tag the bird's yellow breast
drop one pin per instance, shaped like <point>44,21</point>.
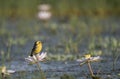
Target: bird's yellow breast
<point>38,48</point>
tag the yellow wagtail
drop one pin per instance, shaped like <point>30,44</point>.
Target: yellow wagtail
<point>36,48</point>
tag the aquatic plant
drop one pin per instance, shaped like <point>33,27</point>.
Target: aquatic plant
<point>87,60</point>
<point>114,49</point>
<point>35,59</point>
<point>4,72</point>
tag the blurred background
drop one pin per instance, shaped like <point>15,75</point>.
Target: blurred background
<point>68,29</point>
<point>71,27</point>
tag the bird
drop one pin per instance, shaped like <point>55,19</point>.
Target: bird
<point>37,48</point>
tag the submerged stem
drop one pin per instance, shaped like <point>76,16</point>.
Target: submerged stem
<point>90,68</point>
<point>3,75</point>
<point>39,68</point>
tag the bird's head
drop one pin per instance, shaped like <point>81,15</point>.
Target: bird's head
<point>38,42</point>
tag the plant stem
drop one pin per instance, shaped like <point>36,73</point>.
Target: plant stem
<point>8,50</point>
<point>3,75</point>
<point>41,72</point>
<point>90,68</point>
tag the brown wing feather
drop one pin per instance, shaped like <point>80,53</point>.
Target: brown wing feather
<point>33,49</point>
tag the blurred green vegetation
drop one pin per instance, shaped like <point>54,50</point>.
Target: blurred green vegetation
<point>77,27</point>
<point>66,76</point>
<point>29,8</point>
<point>80,32</point>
